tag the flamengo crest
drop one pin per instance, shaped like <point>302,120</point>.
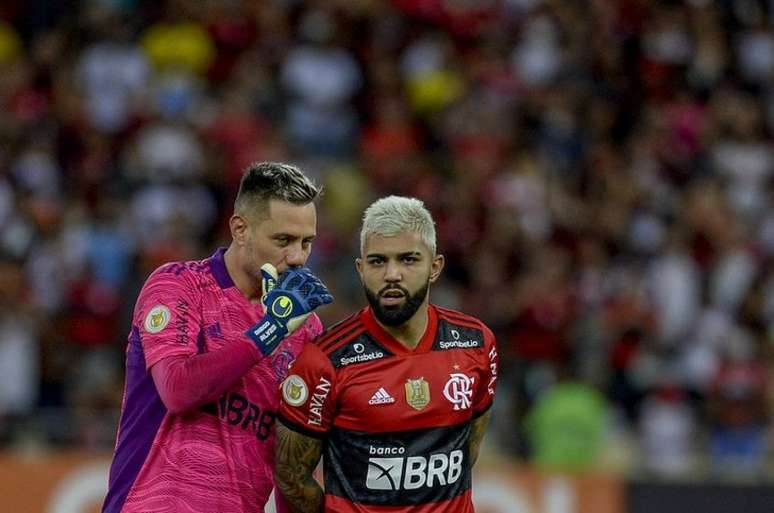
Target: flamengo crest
<point>458,390</point>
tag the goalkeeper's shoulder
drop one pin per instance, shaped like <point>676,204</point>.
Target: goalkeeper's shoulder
<point>175,276</point>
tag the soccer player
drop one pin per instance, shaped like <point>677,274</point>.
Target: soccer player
<point>397,396</point>
<point>210,343</point>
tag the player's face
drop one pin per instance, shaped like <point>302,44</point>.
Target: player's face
<point>396,273</point>
<point>284,239</point>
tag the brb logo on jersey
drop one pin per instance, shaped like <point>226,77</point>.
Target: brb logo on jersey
<point>459,390</point>
<point>412,472</point>
<point>282,307</point>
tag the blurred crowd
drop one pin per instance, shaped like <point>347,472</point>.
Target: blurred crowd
<point>600,172</point>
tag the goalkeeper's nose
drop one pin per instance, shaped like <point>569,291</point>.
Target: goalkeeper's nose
<point>295,255</point>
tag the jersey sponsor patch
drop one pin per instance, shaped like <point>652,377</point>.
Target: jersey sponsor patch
<point>413,472</point>
<point>398,468</point>
<point>492,370</point>
<point>294,390</point>
<point>381,397</point>
<point>457,337</point>
<point>360,350</point>
<point>157,319</point>
<point>319,396</point>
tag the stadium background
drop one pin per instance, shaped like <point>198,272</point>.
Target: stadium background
<point>601,174</point>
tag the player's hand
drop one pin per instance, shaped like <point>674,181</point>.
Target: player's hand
<point>288,300</point>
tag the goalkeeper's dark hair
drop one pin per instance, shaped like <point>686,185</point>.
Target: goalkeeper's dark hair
<point>264,181</point>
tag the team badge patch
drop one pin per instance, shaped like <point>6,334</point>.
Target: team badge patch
<point>294,390</point>
<point>157,319</point>
<point>417,393</point>
<point>459,390</point>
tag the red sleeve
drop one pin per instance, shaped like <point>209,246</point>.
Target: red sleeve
<point>308,396</point>
<point>488,384</point>
<point>187,382</point>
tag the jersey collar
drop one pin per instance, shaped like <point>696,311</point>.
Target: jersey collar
<point>218,269</point>
<point>394,345</point>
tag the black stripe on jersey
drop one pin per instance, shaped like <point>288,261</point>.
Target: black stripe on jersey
<point>341,324</point>
<point>332,343</point>
<point>460,322</point>
<point>456,336</point>
<point>361,349</point>
<point>298,429</point>
<point>457,316</point>
<point>405,468</point>
<point>335,332</point>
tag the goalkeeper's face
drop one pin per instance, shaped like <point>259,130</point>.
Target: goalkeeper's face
<point>396,273</point>
<point>284,239</point>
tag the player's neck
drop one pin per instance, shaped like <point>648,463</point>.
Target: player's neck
<point>410,333</point>
<point>243,282</point>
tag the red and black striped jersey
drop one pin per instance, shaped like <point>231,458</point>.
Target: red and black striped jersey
<point>395,421</point>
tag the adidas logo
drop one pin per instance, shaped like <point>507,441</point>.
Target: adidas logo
<point>381,397</point>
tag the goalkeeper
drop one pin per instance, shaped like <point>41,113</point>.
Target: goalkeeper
<point>210,343</point>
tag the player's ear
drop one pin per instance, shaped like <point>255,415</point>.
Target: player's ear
<point>359,267</point>
<point>436,266</point>
<point>238,226</point>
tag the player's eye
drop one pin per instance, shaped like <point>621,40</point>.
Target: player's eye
<point>375,261</point>
<point>282,241</point>
<point>410,260</point>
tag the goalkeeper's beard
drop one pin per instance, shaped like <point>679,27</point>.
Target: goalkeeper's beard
<point>395,315</point>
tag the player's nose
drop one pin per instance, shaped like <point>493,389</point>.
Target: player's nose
<point>392,272</point>
<point>295,256</point>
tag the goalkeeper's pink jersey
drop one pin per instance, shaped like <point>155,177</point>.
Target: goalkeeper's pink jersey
<point>218,457</point>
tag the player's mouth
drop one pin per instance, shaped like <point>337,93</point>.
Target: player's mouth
<point>392,297</point>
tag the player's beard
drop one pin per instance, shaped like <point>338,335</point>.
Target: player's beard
<point>395,315</point>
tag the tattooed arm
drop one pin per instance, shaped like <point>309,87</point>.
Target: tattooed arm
<point>296,457</point>
<point>477,431</point>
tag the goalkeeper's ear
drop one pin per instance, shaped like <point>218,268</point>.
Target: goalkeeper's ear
<point>269,277</point>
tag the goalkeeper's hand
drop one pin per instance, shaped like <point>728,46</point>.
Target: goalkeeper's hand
<point>288,300</point>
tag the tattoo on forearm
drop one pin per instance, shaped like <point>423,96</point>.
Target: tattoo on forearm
<point>477,431</point>
<point>296,457</point>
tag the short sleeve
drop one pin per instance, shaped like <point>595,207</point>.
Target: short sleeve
<point>489,366</point>
<point>167,316</point>
<point>308,394</point>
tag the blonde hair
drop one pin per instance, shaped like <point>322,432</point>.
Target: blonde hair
<point>392,215</point>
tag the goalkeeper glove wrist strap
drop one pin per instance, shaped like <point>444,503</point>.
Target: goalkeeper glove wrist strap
<point>267,334</point>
